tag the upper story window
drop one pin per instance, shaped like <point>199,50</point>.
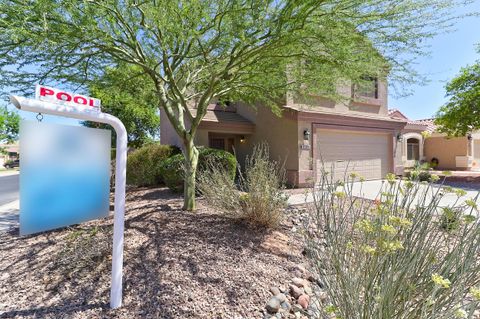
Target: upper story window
<point>367,88</point>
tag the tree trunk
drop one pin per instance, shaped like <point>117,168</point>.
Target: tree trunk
<point>191,161</point>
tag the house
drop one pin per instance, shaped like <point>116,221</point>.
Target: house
<point>8,152</point>
<point>410,141</point>
<point>420,141</point>
<point>354,135</point>
<point>452,153</point>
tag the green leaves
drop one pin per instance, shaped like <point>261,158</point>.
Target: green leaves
<point>461,114</point>
<point>9,125</point>
<point>127,93</point>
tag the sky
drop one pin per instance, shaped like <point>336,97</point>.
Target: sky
<point>449,53</point>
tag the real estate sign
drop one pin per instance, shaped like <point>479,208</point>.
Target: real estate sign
<point>65,175</point>
<point>65,171</point>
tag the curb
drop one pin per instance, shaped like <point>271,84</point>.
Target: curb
<point>9,173</point>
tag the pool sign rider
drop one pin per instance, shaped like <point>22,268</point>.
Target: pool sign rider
<point>58,102</point>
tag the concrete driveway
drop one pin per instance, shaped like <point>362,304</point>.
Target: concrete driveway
<point>372,190</point>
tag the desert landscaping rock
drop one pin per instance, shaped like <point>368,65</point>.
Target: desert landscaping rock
<point>299,282</point>
<point>286,306</point>
<point>303,301</point>
<point>301,269</point>
<point>177,264</point>
<point>273,305</point>
<point>281,297</point>
<point>296,291</point>
<point>322,295</point>
<point>308,290</point>
<point>274,290</point>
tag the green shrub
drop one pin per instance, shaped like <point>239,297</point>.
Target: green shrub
<point>143,165</point>
<point>450,219</point>
<point>172,169</point>
<point>389,258</point>
<point>259,197</point>
<point>420,172</point>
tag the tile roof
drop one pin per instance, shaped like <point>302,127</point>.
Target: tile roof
<point>428,123</point>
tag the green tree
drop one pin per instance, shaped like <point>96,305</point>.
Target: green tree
<point>128,94</point>
<point>9,125</point>
<point>461,114</point>
<point>194,51</point>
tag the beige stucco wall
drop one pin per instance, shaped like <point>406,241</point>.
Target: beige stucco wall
<point>359,105</point>
<point>280,132</point>
<point>168,135</point>
<point>445,150</point>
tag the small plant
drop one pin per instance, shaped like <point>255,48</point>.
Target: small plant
<point>420,172</point>
<point>450,219</point>
<point>258,197</point>
<point>84,248</point>
<point>389,258</point>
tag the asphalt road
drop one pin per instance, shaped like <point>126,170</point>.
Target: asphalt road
<point>9,188</point>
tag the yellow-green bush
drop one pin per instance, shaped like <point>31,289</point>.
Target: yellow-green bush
<point>143,165</point>
<point>400,256</point>
<point>258,196</point>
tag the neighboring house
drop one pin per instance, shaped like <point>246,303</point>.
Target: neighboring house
<point>8,152</point>
<point>410,142</point>
<point>451,153</point>
<point>357,135</point>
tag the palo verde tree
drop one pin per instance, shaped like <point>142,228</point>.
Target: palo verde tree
<point>195,51</point>
<point>461,114</point>
<point>127,93</point>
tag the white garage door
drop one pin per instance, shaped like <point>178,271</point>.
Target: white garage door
<point>343,152</point>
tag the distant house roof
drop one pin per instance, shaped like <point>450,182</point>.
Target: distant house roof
<point>427,124</point>
<point>396,114</point>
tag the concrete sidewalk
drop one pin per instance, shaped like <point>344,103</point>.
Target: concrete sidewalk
<point>372,190</point>
<point>9,215</point>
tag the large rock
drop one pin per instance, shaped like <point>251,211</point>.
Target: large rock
<point>303,301</point>
<point>273,305</point>
<point>299,282</point>
<point>274,290</point>
<point>281,297</point>
<point>295,291</point>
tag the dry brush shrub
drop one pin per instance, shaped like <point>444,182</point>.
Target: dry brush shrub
<point>394,257</point>
<point>258,195</point>
<point>84,249</point>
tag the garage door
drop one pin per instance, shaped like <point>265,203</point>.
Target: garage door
<point>343,152</point>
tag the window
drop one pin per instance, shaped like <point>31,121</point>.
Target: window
<point>218,143</point>
<point>413,149</point>
<point>367,88</point>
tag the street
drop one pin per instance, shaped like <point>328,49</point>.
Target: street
<point>9,188</point>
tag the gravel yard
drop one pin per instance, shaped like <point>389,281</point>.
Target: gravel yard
<point>176,265</point>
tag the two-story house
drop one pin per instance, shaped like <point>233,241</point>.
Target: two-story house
<point>356,135</point>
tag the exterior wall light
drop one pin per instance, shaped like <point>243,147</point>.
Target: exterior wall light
<point>469,137</point>
<point>242,139</point>
<point>306,134</point>
<point>399,137</point>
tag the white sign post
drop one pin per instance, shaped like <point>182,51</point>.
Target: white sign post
<point>57,102</point>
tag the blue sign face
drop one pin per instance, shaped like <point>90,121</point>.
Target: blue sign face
<point>64,175</point>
